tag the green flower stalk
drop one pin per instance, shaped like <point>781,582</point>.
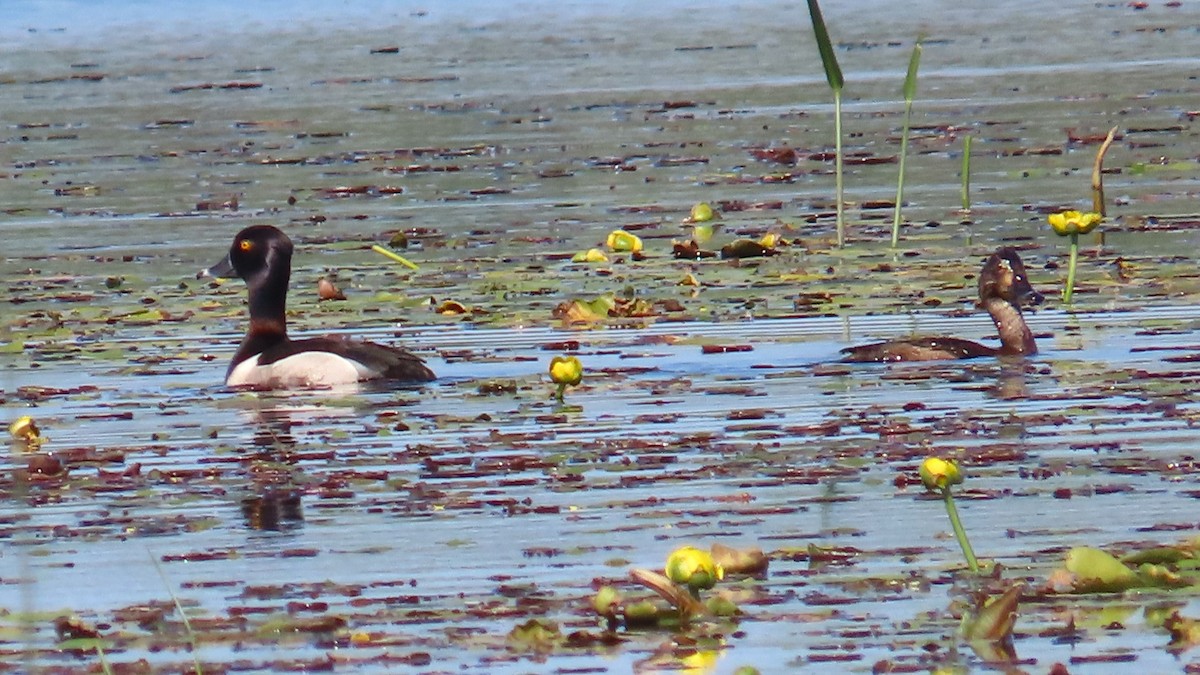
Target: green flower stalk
<point>1072,224</point>
<point>938,475</point>
<point>833,74</point>
<point>910,92</point>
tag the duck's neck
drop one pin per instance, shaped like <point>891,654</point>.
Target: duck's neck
<point>1015,336</point>
<point>268,298</point>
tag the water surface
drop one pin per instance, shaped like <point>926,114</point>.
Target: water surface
<point>433,521</point>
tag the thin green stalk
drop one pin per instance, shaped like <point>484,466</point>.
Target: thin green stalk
<point>1069,290</point>
<point>105,666</point>
<point>833,75</point>
<point>900,180</point>
<point>959,532</point>
<point>187,625</point>
<point>394,256</point>
<point>837,168</point>
<point>966,174</point>
<point>910,92</point>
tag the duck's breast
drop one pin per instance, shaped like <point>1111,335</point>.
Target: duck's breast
<point>303,370</point>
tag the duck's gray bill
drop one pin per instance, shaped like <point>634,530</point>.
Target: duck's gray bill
<point>222,270</point>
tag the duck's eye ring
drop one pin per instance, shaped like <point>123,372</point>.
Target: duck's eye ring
<point>245,245</point>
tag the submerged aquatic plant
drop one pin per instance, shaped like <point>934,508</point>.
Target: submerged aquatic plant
<point>988,625</point>
<point>565,371</point>
<point>535,635</point>
<point>910,92</point>
<point>76,636</point>
<point>833,74</point>
<point>938,475</point>
<point>1185,632</point>
<point>1072,224</point>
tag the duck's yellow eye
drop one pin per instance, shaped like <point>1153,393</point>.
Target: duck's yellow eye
<point>245,244</point>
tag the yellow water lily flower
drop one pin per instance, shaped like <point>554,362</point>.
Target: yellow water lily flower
<point>25,430</point>
<point>701,213</point>
<point>937,474</point>
<point>770,240</point>
<point>589,256</point>
<point>693,568</point>
<point>700,662</point>
<point>566,370</point>
<point>624,242</point>
<point>1067,223</point>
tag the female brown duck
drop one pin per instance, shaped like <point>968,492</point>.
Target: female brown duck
<point>1003,288</point>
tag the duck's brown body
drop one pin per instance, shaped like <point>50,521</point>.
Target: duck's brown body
<point>1003,288</point>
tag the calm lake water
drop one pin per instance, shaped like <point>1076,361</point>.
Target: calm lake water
<point>503,138</point>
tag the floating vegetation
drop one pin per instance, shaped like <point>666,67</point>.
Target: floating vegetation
<point>473,524</point>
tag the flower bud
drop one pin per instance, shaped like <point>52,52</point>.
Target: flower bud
<point>622,241</point>
<point>566,370</point>
<point>938,474</point>
<point>701,213</point>
<point>693,568</point>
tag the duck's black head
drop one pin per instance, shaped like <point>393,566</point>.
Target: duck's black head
<point>258,253</point>
<point>1003,276</point>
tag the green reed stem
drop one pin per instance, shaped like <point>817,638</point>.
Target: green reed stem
<point>910,92</point>
<point>959,532</point>
<point>966,174</point>
<point>833,75</point>
<point>838,183</point>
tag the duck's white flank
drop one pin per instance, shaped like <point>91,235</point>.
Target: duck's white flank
<point>307,369</point>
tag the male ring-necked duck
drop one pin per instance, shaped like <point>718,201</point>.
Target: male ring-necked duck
<point>261,255</point>
<point>1003,288</point>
